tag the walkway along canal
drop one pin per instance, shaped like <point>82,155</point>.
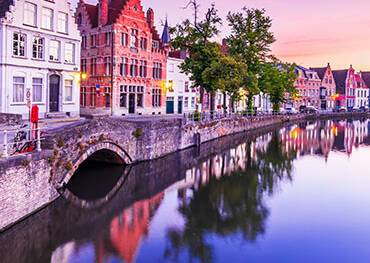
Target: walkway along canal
<point>273,193</point>
<point>29,183</point>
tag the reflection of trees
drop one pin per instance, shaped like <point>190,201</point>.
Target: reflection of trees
<point>233,204</point>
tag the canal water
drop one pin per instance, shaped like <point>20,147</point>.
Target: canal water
<point>296,194</point>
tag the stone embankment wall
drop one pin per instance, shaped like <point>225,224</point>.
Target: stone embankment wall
<point>24,187</point>
<point>7,119</point>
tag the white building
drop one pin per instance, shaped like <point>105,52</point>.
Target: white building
<point>181,97</point>
<point>39,57</point>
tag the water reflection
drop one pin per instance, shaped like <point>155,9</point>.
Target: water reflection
<point>209,205</point>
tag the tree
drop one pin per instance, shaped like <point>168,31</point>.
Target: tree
<point>225,74</point>
<point>195,37</point>
<point>250,41</point>
<point>277,80</point>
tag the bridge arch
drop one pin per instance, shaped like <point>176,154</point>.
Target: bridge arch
<point>104,151</point>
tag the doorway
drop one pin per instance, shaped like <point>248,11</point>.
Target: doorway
<point>179,106</point>
<point>131,103</point>
<point>54,88</point>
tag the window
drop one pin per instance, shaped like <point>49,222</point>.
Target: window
<point>93,66</point>
<point>30,14</point>
<point>37,89</point>
<point>62,22</point>
<point>18,89</point>
<point>124,39</point>
<point>92,96</point>
<point>83,98</point>
<point>193,102</point>
<point>171,67</point>
<point>186,86</point>
<point>133,68</point>
<point>54,50</point>
<point>123,68</point>
<point>170,86</point>
<point>84,65</point>
<point>123,96</point>
<point>143,43</point>
<point>107,66</point>
<point>68,90</point>
<point>47,15</point>
<point>133,39</point>
<point>93,40</point>
<point>140,97</point>
<point>186,102</point>
<point>156,98</point>
<point>69,53</point>
<point>38,48</point>
<point>84,42</point>
<point>142,71</point>
<point>108,38</point>
<point>19,44</point>
<point>157,70</point>
<point>155,44</point>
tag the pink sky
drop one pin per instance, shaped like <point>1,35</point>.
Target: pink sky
<point>310,33</point>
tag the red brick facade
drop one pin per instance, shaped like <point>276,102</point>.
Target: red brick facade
<point>121,49</point>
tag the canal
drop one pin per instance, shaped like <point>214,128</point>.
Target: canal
<point>300,193</point>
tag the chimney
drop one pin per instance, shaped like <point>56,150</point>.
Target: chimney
<point>150,17</point>
<point>103,12</point>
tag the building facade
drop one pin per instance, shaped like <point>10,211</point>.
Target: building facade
<point>123,59</point>
<point>308,87</point>
<point>361,92</point>
<point>327,87</point>
<point>39,58</point>
<point>345,81</point>
<point>181,96</point>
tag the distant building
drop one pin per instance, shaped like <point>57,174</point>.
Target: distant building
<point>123,57</point>
<point>39,58</point>
<point>181,96</point>
<point>327,87</point>
<point>350,85</point>
<point>308,85</point>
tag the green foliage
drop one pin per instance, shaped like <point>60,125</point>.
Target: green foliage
<point>277,80</point>
<point>250,41</point>
<point>137,133</point>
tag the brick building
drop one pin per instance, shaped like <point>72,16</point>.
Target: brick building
<point>346,81</point>
<point>123,59</point>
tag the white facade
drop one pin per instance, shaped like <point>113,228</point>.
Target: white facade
<point>262,102</point>
<point>180,97</point>
<point>39,58</point>
<point>362,97</point>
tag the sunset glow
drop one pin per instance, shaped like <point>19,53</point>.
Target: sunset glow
<point>310,33</point>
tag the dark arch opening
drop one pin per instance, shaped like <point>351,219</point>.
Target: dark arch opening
<point>97,176</point>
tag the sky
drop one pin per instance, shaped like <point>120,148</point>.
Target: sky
<point>309,33</point>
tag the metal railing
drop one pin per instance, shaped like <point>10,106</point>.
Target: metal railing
<point>20,141</point>
<point>217,115</point>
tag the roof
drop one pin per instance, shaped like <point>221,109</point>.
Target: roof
<point>114,10</point>
<point>320,71</point>
<point>366,78</point>
<point>166,34</point>
<point>4,6</point>
<point>340,77</point>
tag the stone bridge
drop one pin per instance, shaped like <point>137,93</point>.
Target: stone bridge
<point>124,141</point>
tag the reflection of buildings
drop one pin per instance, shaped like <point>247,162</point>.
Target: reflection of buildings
<point>320,138</point>
<point>127,229</point>
<point>120,240</point>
